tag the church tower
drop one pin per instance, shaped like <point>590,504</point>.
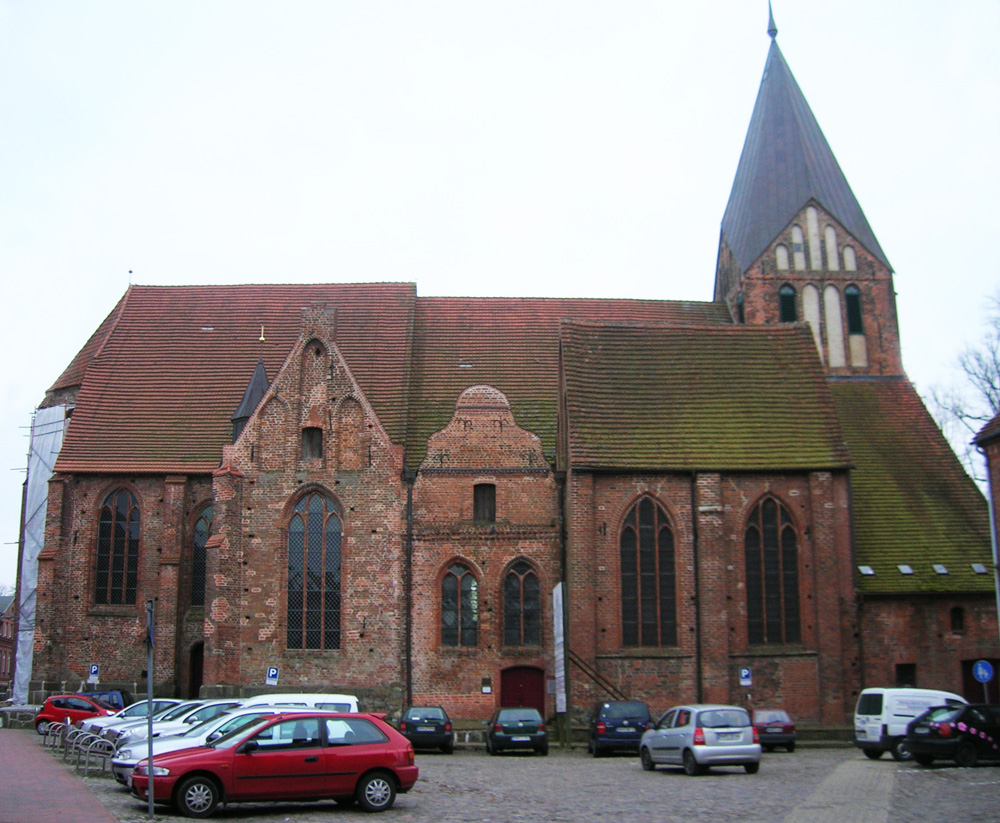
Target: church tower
<point>795,245</point>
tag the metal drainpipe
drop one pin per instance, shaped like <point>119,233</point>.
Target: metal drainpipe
<point>697,589</point>
<point>409,478</point>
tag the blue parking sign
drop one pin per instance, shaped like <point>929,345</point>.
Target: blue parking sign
<point>745,676</point>
<point>983,671</point>
<point>271,679</point>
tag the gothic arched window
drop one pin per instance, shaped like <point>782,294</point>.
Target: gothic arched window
<point>648,577</point>
<point>852,301</point>
<point>772,569</point>
<point>314,558</point>
<point>199,536</point>
<point>459,607</point>
<point>116,575</point>
<point>522,624</point>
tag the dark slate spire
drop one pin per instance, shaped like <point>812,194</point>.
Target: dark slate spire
<point>772,29</point>
<point>786,161</point>
<point>256,389</point>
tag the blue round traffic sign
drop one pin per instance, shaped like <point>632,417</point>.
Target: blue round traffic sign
<point>982,670</point>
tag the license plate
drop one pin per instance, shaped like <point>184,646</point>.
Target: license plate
<point>920,730</point>
<point>775,730</point>
<point>425,728</point>
<point>729,736</point>
<point>521,738</point>
<point>627,729</point>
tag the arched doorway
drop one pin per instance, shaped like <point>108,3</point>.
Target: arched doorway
<point>523,686</point>
<point>196,659</point>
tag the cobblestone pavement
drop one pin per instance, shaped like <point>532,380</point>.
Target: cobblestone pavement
<point>813,785</point>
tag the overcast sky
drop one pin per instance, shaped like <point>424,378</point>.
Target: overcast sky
<point>579,148</point>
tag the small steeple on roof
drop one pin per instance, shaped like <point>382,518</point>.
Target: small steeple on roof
<point>255,390</point>
<point>786,161</point>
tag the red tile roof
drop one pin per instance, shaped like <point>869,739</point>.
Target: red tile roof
<point>711,398</point>
<point>164,373</point>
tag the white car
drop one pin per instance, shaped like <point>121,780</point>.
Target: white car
<point>175,722</point>
<point>112,731</point>
<point>699,735</point>
<point>136,711</point>
<point>132,752</point>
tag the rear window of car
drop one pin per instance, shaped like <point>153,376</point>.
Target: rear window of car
<point>417,715</point>
<point>335,707</point>
<point>722,718</point>
<point>353,731</point>
<point>870,704</point>
<point>771,716</point>
<point>513,715</point>
<point>617,711</point>
<point>943,714</point>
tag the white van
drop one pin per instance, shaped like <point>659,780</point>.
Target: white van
<point>882,715</point>
<point>321,702</point>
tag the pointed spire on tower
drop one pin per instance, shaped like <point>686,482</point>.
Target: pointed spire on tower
<point>772,29</point>
<point>255,390</point>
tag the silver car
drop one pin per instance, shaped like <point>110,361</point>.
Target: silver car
<point>700,735</point>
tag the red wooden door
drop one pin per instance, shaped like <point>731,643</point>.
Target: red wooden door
<point>523,686</point>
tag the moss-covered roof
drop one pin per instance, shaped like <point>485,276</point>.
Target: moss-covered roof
<point>913,503</point>
<point>511,344</point>
<point>740,398</point>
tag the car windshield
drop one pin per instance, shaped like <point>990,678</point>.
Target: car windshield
<point>416,715</point>
<point>515,715</point>
<point>771,716</point>
<point>614,711</point>
<point>722,718</point>
<point>230,739</point>
<point>334,707</point>
<point>174,712</point>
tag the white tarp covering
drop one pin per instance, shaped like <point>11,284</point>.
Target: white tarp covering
<point>47,431</point>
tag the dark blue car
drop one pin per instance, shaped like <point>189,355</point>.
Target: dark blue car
<point>617,725</point>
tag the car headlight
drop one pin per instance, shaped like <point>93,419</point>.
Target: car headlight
<point>157,771</point>
<point>125,754</point>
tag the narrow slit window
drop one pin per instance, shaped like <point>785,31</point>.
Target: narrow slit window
<point>312,443</point>
<point>484,503</point>
<point>787,304</point>
<point>852,300</point>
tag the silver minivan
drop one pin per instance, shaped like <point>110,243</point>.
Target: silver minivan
<point>700,735</point>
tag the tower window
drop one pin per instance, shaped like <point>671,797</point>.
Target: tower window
<point>484,503</point>
<point>786,302</point>
<point>850,261</point>
<point>781,257</point>
<point>852,299</point>
<point>832,258</point>
<point>798,248</point>
<point>312,443</point>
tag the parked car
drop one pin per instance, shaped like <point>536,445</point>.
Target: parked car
<point>137,711</point>
<point>321,702</point>
<point>305,756</point>
<point>130,753</point>
<point>118,698</point>
<point>428,727</point>
<point>965,734</point>
<point>882,715</point>
<point>775,728</point>
<point>175,722</point>
<point>518,728</point>
<point>697,736</point>
<point>72,707</point>
<point>114,731</point>
<point>617,725</point>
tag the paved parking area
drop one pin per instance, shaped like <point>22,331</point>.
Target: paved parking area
<point>813,785</point>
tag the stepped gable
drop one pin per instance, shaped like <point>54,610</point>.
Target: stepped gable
<point>661,398</point>
<point>913,502</point>
<point>162,380</point>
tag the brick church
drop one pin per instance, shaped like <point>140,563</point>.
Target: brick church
<point>481,501</point>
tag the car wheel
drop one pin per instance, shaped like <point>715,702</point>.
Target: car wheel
<point>646,759</point>
<point>900,751</point>
<point>376,792</point>
<point>769,748</point>
<point>691,766</point>
<point>924,759</point>
<point>872,754</point>
<point>490,749</point>
<point>42,726</point>
<point>597,750</point>
<point>790,747</point>
<point>966,754</point>
<point>197,796</point>
<point>751,768</point>
<point>544,750</point>
<point>449,747</point>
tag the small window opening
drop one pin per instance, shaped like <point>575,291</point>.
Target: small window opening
<point>958,619</point>
<point>906,675</point>
<point>484,503</point>
<point>312,443</point>
<point>852,297</point>
<point>786,303</point>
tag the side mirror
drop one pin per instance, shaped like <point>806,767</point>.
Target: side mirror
<point>213,737</point>
<point>249,747</point>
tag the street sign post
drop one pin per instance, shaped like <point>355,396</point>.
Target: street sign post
<point>982,670</point>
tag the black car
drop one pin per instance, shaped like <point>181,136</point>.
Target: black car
<point>617,725</point>
<point>520,728</point>
<point>963,733</point>
<point>428,727</point>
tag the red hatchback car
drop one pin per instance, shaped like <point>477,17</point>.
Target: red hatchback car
<point>305,756</point>
<point>72,706</point>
